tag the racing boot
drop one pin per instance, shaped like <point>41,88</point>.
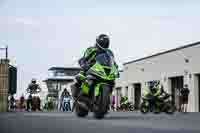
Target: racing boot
<point>75,89</point>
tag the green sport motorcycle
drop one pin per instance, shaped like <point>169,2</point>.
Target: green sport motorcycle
<point>162,103</point>
<point>96,98</point>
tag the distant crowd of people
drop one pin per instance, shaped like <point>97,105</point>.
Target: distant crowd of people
<point>17,104</point>
<point>30,103</point>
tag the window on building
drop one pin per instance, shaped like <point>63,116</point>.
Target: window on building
<point>71,73</point>
<point>61,74</point>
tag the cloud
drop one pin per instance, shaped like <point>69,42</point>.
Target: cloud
<point>27,21</point>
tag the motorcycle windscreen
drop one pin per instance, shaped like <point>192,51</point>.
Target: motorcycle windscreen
<point>103,87</point>
<point>105,59</point>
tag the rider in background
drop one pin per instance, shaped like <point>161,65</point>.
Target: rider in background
<point>64,93</point>
<point>155,90</point>
<point>123,102</point>
<point>33,88</point>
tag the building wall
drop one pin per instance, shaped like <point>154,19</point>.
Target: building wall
<point>120,83</point>
<point>3,85</point>
<point>165,66</point>
<point>120,89</point>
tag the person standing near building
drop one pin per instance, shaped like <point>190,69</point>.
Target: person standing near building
<point>12,103</point>
<point>184,98</point>
<point>113,103</point>
<point>28,103</point>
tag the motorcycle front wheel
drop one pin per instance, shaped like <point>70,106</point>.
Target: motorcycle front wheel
<point>143,108</point>
<point>102,103</point>
<point>169,108</point>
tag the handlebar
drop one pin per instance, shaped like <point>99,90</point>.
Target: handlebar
<point>148,98</point>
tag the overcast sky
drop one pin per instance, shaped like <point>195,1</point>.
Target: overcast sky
<point>45,33</point>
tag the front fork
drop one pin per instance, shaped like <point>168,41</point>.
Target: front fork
<point>93,90</point>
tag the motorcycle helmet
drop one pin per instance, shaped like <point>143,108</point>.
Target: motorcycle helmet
<point>102,42</point>
<point>33,81</point>
<point>157,83</point>
<point>152,86</point>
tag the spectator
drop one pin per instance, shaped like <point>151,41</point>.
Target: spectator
<point>29,100</point>
<point>184,98</point>
<point>113,103</point>
<point>12,102</point>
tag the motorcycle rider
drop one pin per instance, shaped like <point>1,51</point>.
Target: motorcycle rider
<point>123,102</point>
<point>65,93</point>
<point>101,45</point>
<point>32,89</point>
<point>154,90</point>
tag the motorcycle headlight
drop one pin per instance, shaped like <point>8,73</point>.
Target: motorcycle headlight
<point>100,72</point>
<point>90,82</point>
<point>90,77</point>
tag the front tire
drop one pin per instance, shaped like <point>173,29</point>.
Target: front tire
<point>99,109</point>
<point>102,103</point>
<point>143,108</point>
<point>170,109</point>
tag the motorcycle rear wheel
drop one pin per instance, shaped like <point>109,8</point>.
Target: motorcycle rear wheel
<point>82,106</point>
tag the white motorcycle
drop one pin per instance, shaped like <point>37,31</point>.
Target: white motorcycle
<point>66,103</point>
